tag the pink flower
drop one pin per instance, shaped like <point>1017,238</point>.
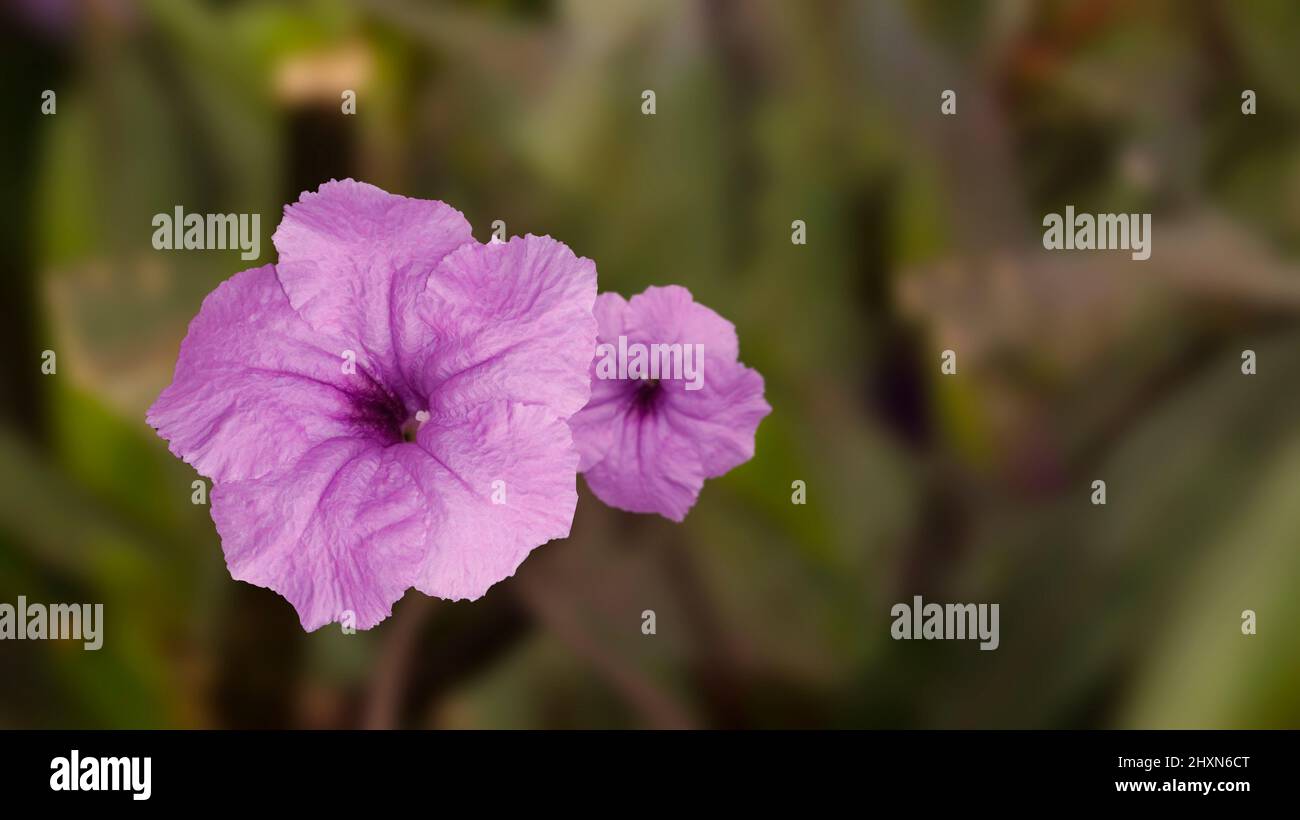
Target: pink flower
<point>385,407</point>
<point>648,444</point>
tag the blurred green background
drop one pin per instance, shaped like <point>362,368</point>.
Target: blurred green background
<point>923,233</point>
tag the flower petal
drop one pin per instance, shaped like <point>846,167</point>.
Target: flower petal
<point>488,529</point>
<point>253,390</point>
<point>669,315</point>
<point>354,260</point>
<point>510,321</point>
<point>594,425</point>
<point>721,417</point>
<point>342,532</point>
<point>649,468</point>
<point>355,523</point>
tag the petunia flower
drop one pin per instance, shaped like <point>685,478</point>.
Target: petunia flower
<point>648,443</point>
<point>386,406</point>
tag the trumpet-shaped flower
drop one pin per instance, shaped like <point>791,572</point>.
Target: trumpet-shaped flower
<point>386,406</point>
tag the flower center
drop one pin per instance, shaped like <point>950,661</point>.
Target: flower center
<point>411,428</point>
<point>647,393</point>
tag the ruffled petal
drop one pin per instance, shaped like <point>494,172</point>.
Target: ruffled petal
<point>721,417</point>
<point>510,321</point>
<point>507,480</point>
<point>341,534</point>
<point>355,524</point>
<point>594,425</point>
<point>253,388</point>
<point>669,315</point>
<point>354,260</point>
<point>649,468</point>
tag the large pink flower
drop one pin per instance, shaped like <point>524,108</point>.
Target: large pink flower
<point>647,445</point>
<point>385,407</point>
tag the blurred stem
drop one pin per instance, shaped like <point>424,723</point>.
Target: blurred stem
<point>261,661</point>
<point>727,24</point>
<point>717,663</point>
<point>27,68</point>
<point>460,642</point>
<point>659,709</point>
<point>383,707</point>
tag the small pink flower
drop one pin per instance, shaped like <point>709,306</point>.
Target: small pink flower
<point>647,445</point>
<point>385,407</point>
